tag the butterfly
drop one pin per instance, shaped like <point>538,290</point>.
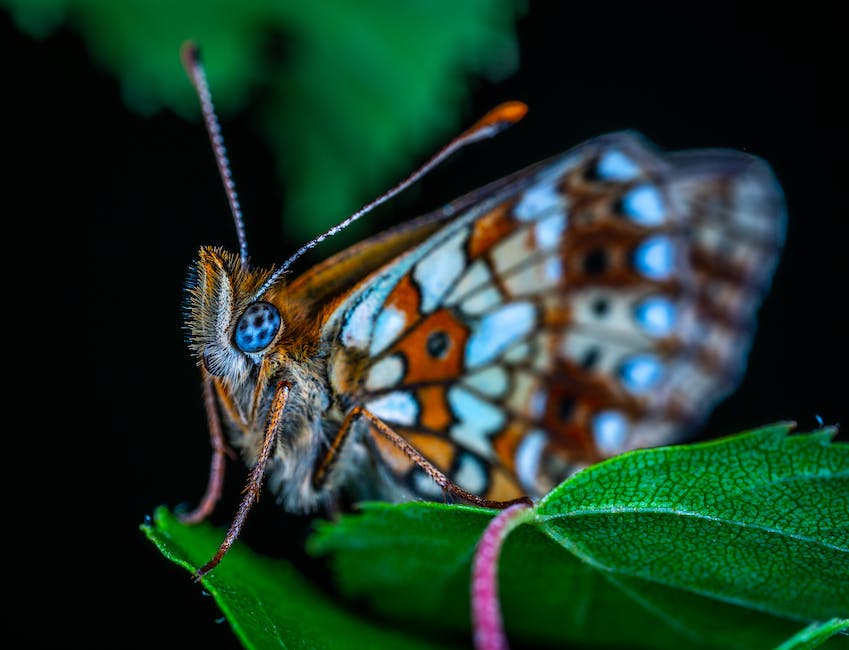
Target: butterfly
<point>599,301</point>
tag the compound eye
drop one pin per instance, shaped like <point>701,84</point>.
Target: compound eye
<point>257,327</point>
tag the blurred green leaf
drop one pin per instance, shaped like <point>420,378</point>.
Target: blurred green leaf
<point>722,544</point>
<point>816,634</point>
<point>351,91</point>
<point>267,603</point>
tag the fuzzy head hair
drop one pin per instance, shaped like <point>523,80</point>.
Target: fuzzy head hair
<point>230,329</point>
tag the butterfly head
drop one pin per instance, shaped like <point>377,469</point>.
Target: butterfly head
<point>233,325</point>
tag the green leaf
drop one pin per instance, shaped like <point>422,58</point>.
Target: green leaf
<point>816,634</point>
<point>267,603</point>
<point>632,552</point>
<point>363,88</point>
<point>760,519</point>
<point>722,544</point>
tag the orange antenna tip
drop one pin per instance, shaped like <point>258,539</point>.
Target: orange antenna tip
<point>495,121</point>
<point>502,116</point>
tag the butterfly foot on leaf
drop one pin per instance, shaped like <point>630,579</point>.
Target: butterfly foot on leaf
<point>199,574</point>
<point>503,505</point>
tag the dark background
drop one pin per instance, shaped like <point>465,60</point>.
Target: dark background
<point>115,206</point>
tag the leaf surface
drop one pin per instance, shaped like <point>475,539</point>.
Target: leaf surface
<point>267,602</point>
<point>723,544</point>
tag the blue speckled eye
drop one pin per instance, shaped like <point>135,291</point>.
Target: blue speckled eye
<point>257,327</point>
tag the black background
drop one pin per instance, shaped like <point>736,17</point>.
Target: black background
<point>115,206</point>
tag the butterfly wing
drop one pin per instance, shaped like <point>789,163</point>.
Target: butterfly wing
<point>596,302</point>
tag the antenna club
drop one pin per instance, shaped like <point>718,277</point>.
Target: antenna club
<point>496,120</point>
<point>501,116</point>
<point>190,57</point>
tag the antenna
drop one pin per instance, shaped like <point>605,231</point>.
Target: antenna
<point>499,118</point>
<point>190,55</point>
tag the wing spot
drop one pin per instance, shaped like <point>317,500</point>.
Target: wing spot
<point>425,486</point>
<point>528,456</point>
<point>641,372</point>
<point>600,307</point>
<point>481,301</point>
<point>614,165</point>
<point>399,407</point>
<point>389,324</point>
<point>437,344</point>
<point>590,357</point>
<point>655,257</point>
<point>539,199</point>
<point>539,398</point>
<point>471,474</point>
<point>610,431</point>
<point>549,232</point>
<point>439,269</point>
<point>477,419</point>
<point>656,315</point>
<point>491,381</point>
<point>497,330</point>
<point>643,205</point>
<point>386,373</point>
<point>565,409</point>
<point>595,262</point>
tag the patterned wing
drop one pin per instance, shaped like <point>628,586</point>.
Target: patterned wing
<point>594,303</point>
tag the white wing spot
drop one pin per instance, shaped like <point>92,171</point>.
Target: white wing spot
<point>426,486</point>
<point>528,457</point>
<point>399,407</point>
<point>539,199</point>
<point>616,166</point>
<point>498,330</point>
<point>518,353</point>
<point>439,269</point>
<point>641,372</point>
<point>357,328</point>
<point>491,381</point>
<point>471,474</point>
<point>475,276</point>
<point>610,430</point>
<point>481,301</point>
<point>549,231</point>
<point>512,250</point>
<point>542,359</point>
<point>656,315</point>
<point>537,405</point>
<point>644,205</point>
<point>553,269</point>
<point>386,373</point>
<point>523,398</point>
<point>477,419</point>
<point>535,278</point>
<point>655,257</point>
<point>389,324</point>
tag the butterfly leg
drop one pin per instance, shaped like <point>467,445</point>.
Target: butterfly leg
<point>408,450</point>
<point>219,450</point>
<point>322,470</point>
<point>252,489</point>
